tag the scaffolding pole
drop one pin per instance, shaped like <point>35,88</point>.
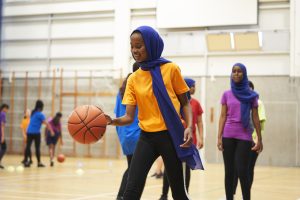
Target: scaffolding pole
<point>12,102</point>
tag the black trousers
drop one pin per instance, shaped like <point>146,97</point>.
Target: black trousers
<point>125,177</point>
<point>2,149</point>
<point>37,142</point>
<point>166,185</point>
<point>149,147</point>
<point>236,156</point>
<point>252,161</point>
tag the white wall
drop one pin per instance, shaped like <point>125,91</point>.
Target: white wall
<point>195,13</point>
<point>84,35</point>
<point>94,34</point>
<point>295,38</point>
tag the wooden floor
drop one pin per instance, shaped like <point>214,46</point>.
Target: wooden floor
<point>101,178</point>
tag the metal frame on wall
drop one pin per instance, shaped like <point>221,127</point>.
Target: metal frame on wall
<point>57,98</point>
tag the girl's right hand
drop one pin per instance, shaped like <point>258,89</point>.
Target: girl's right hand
<point>108,119</point>
<point>200,144</point>
<point>220,144</point>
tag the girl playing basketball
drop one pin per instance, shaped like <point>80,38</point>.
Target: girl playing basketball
<point>51,140</point>
<point>158,89</point>
<point>3,110</point>
<point>24,126</point>
<point>37,118</point>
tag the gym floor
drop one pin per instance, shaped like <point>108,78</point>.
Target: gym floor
<point>91,179</point>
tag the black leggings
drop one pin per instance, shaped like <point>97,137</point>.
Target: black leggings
<point>166,185</point>
<point>2,150</point>
<point>236,156</point>
<point>252,161</point>
<point>37,142</point>
<point>149,147</point>
<point>125,177</point>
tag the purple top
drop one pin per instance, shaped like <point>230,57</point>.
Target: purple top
<point>233,127</point>
<point>2,121</point>
<point>55,128</point>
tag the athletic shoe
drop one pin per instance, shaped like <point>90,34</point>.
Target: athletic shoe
<point>1,167</point>
<point>163,197</point>
<point>160,175</point>
<point>26,164</point>
<point>41,165</point>
<point>153,174</point>
<point>156,174</point>
<point>51,163</point>
<point>23,162</point>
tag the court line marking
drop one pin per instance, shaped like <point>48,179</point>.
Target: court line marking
<point>110,193</point>
<point>9,182</point>
<point>46,193</point>
<point>49,176</point>
<point>20,197</point>
<point>83,196</point>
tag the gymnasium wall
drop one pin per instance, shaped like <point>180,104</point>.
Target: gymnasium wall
<point>91,35</point>
<point>94,35</point>
<point>58,96</point>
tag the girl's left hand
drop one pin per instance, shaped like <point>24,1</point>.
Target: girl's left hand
<point>258,147</point>
<point>188,139</point>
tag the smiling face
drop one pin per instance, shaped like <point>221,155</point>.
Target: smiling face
<point>237,74</point>
<point>138,48</point>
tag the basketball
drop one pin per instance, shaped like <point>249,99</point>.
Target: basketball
<point>87,124</point>
<point>61,158</point>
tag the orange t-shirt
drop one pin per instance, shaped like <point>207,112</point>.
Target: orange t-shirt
<point>139,92</point>
<point>25,123</point>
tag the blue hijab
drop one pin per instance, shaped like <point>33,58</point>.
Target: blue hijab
<point>191,83</point>
<point>154,46</point>
<point>244,94</point>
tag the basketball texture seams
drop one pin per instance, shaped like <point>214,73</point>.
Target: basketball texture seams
<point>87,124</point>
<point>77,119</point>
